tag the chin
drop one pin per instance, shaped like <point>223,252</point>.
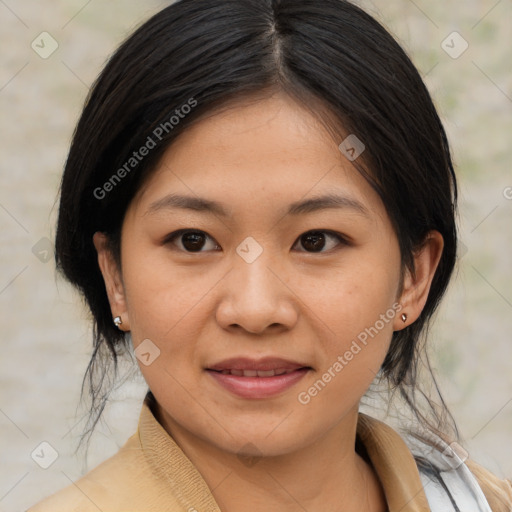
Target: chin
<point>266,439</point>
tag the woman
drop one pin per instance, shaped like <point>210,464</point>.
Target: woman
<point>259,197</point>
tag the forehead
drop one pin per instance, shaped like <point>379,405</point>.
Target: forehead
<point>265,151</point>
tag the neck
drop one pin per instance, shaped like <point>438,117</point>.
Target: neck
<point>327,475</point>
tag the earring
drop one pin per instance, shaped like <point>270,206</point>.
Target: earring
<point>404,318</point>
<point>118,321</point>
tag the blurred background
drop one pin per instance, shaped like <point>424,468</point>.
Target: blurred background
<point>51,52</point>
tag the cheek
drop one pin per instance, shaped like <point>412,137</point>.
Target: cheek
<point>353,297</point>
<point>356,331</point>
<point>161,296</point>
<point>168,308</point>
<point>357,310</point>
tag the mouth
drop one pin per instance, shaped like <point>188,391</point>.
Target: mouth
<point>257,379</point>
<point>255,373</point>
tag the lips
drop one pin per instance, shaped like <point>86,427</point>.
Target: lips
<point>256,373</point>
<point>266,364</point>
<point>263,378</point>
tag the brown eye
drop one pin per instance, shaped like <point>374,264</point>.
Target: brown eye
<point>189,241</point>
<point>316,241</point>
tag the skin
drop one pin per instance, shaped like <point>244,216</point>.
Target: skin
<point>199,308</point>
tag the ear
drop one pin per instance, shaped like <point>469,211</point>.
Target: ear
<point>113,280</point>
<point>416,286</point>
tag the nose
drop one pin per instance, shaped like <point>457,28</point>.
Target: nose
<point>256,298</point>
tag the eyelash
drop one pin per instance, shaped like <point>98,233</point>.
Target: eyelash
<point>176,234</point>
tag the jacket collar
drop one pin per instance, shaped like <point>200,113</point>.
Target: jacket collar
<point>394,464</point>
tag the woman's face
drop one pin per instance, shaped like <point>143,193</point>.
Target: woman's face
<point>260,313</point>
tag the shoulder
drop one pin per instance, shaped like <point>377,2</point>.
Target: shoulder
<point>119,483</point>
<point>452,482</point>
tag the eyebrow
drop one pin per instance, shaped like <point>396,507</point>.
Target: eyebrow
<point>200,204</point>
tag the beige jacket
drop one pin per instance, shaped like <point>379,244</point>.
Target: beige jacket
<point>150,473</point>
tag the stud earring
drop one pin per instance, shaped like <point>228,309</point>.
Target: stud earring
<point>404,318</point>
<point>118,321</point>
